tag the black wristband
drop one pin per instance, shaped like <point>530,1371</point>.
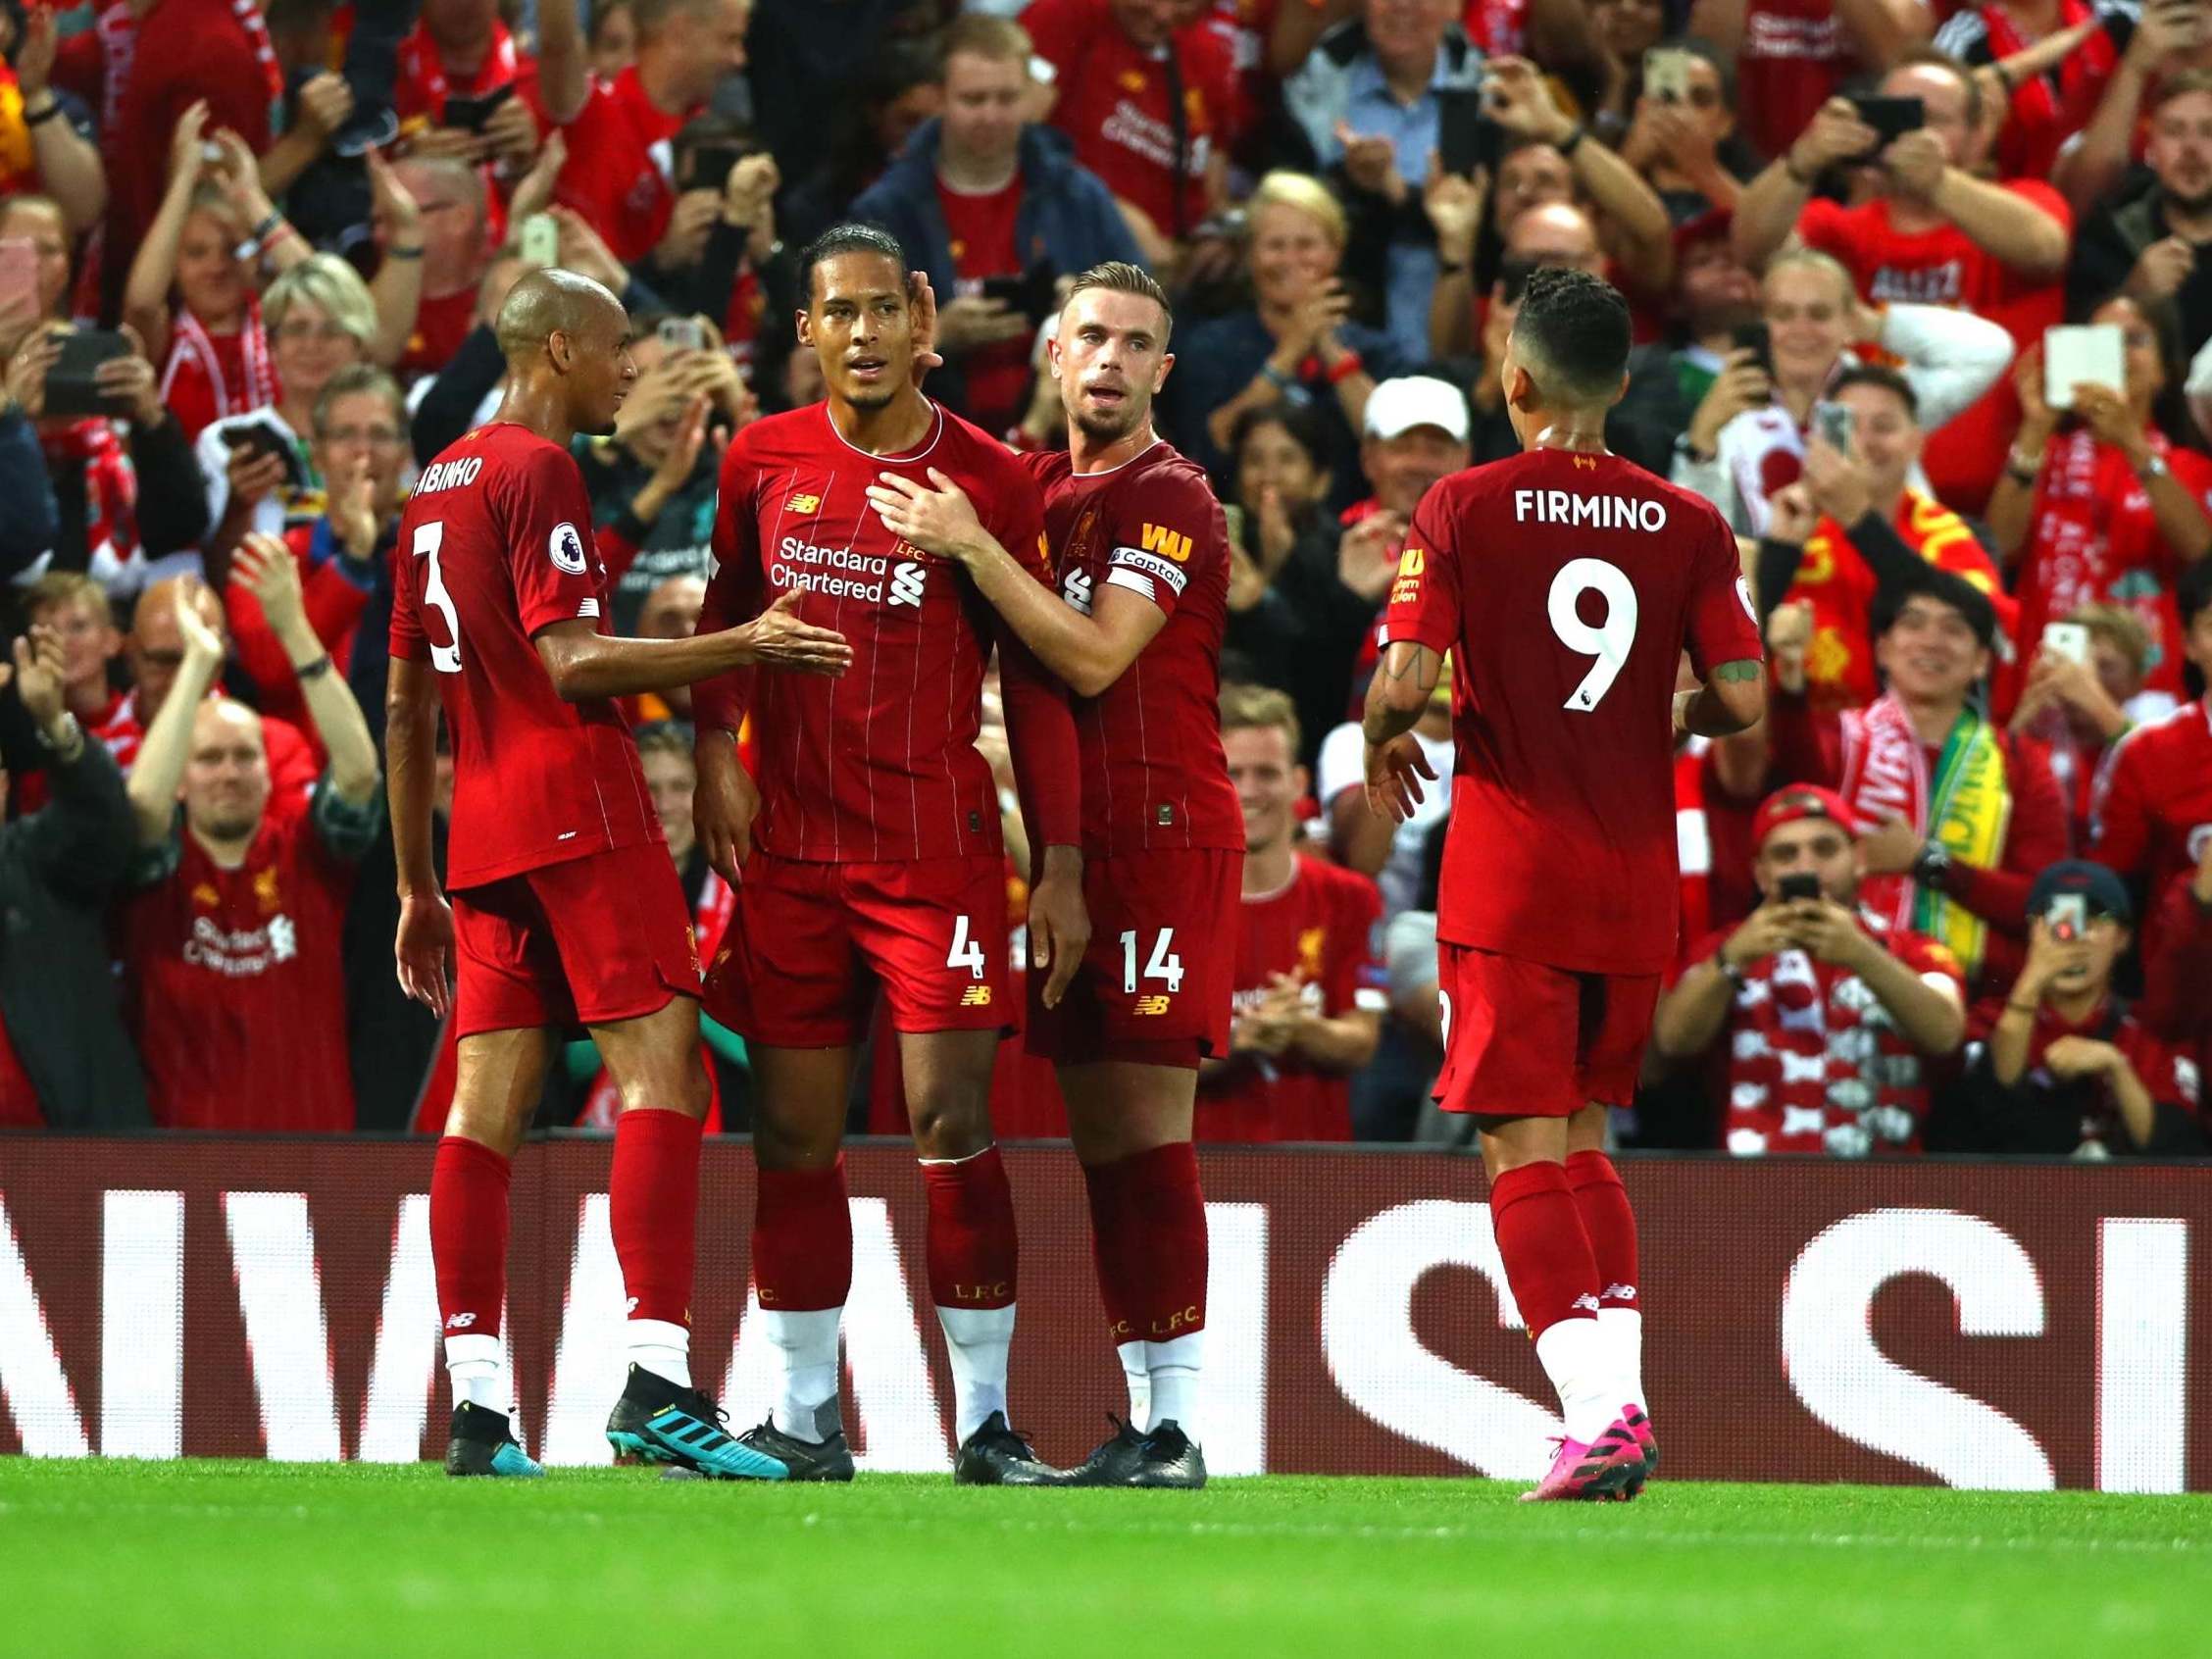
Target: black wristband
<point>45,114</point>
<point>315,669</point>
<point>1573,140</point>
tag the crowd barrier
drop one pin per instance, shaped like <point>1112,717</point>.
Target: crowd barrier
<point>1986,1324</point>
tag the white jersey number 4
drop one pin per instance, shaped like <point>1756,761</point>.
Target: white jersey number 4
<point>1609,641</point>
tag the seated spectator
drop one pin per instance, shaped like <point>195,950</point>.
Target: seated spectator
<point>65,1061</point>
<point>344,556</point>
<point>1297,344</point>
<point>1935,234</point>
<point>652,483</point>
<point>2111,510</point>
<point>41,221</point>
<point>1792,57</point>
<point>2078,708</point>
<point>2151,248</point>
<point>1366,104</point>
<point>2037,113</point>
<point>115,496</point>
<point>1854,528</point>
<point>1958,815</point>
<point>671,611</point>
<point>2168,46</point>
<point>1832,1015</point>
<point>2154,799</point>
<point>1309,995</point>
<point>46,138</point>
<point>1715,295</point>
<point>211,342</point>
<point>1688,149</point>
<point>981,196</point>
<point>618,132</point>
<point>1746,438</point>
<point>1146,91</point>
<point>230,944</point>
<point>74,610</point>
<point>2061,1065</point>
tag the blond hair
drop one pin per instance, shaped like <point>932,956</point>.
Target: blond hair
<point>56,588</point>
<point>2119,628</point>
<point>981,34</point>
<point>331,285</point>
<point>1812,259</point>
<point>1259,708</point>
<point>1119,277</point>
<point>1305,194</point>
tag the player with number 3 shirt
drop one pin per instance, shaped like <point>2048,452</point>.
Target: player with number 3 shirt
<point>566,914</point>
<point>1135,629</point>
<point>1566,583</point>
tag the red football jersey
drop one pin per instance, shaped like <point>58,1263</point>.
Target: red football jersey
<point>2153,811</point>
<point>236,984</point>
<point>881,764</point>
<point>1154,772</point>
<point>1566,587</point>
<point>1323,928</point>
<point>495,546</point>
<point>615,175</point>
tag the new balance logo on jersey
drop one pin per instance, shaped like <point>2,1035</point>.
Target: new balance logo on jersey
<point>908,583</point>
<point>1152,1005</point>
<point>1173,543</point>
<point>975,996</point>
<point>804,503</point>
<point>1074,587</point>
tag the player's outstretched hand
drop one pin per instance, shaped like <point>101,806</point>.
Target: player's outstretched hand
<point>1059,931</point>
<point>424,951</point>
<point>1394,771</point>
<point>724,804</point>
<point>778,639</point>
<point>940,521</point>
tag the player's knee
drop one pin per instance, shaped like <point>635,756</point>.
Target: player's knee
<point>679,1086</point>
<point>951,1118</point>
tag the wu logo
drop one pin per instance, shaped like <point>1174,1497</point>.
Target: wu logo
<point>1172,544</point>
<point>906,583</point>
<point>1074,587</point>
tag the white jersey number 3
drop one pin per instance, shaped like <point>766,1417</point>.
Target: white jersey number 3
<point>429,536</point>
<point>1609,641</point>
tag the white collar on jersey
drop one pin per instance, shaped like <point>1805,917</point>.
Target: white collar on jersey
<point>936,431</point>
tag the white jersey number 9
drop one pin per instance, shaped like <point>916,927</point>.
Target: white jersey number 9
<point>1609,641</point>
<point>429,536</point>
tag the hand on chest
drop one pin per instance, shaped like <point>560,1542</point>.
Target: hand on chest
<point>821,536</point>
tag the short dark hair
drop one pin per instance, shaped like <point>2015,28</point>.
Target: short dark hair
<point>664,738</point>
<point>2193,590</point>
<point>2181,85</point>
<point>1879,375</point>
<point>852,236</point>
<point>1929,583</point>
<point>1299,422</point>
<point>1578,325</point>
<point>1935,57</point>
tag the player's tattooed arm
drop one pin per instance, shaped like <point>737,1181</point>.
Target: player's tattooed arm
<point>1088,652</point>
<point>1398,697</point>
<point>1732,699</point>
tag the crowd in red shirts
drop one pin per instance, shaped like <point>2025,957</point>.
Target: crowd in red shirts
<point>1923,298</point>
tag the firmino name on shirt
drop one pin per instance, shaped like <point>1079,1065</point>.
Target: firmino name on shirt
<point>1592,512</point>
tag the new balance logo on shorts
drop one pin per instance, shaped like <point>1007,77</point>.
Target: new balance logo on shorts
<point>975,996</point>
<point>1152,1004</point>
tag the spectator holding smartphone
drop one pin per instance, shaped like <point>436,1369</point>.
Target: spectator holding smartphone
<point>1832,1015</point>
<point>2170,44</point>
<point>458,56</point>
<point>2062,1065</point>
<point>2107,510</point>
<point>2153,246</point>
<point>2083,693</point>
<point>1792,55</point>
<point>1934,233</point>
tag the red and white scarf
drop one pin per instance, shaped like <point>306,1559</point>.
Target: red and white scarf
<point>192,354</point>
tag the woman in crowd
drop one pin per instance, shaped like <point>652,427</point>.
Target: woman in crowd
<point>2098,505</point>
<point>1297,343</point>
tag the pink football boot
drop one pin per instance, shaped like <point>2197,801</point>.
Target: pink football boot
<point>1590,1473</point>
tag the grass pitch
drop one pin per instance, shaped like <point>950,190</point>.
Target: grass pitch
<point>240,1559</point>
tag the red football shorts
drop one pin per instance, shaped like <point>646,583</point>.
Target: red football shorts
<point>585,943</point>
<point>1523,1040</point>
<point>1154,987</point>
<point>795,968</point>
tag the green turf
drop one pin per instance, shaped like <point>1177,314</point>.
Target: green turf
<point>243,1559</point>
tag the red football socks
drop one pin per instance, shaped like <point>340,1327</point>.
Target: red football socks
<point>972,1248</point>
<point>1610,1225</point>
<point>653,1206</point>
<point>802,1239</point>
<point>469,1235</point>
<point>1148,1236</point>
<point>1540,1240</point>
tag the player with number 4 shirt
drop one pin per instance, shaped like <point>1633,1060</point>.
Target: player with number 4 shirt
<point>566,914</point>
<point>1566,583</point>
<point>1136,630</point>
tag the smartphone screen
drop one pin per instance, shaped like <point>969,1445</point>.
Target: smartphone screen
<point>541,240</point>
<point>18,280</point>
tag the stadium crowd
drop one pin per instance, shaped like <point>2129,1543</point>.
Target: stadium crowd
<point>1925,297</point>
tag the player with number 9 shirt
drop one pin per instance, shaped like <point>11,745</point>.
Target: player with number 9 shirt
<point>1566,582</point>
<point>566,912</point>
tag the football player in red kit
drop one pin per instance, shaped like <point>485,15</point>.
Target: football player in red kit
<point>1566,582</point>
<point>1136,630</point>
<point>564,909</point>
<point>871,849</point>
